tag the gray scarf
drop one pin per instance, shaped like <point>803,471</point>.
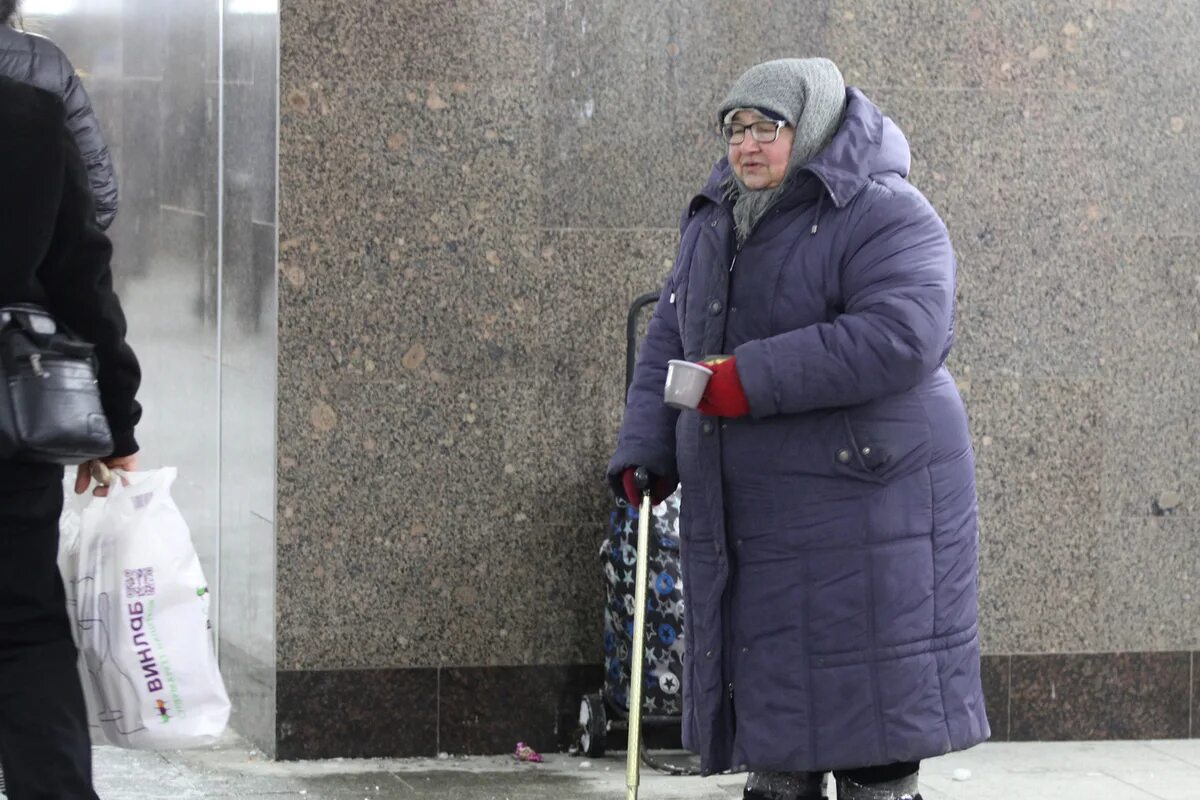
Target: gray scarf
<point>810,94</point>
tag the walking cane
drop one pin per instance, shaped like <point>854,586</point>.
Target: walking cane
<point>632,759</point>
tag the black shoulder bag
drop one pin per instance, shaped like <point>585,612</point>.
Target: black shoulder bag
<point>50,407</point>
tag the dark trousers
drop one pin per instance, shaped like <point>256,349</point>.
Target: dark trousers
<point>869,776</point>
<point>44,746</point>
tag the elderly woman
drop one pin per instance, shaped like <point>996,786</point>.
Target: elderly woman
<point>830,540</point>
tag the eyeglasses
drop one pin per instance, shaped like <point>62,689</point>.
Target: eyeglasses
<point>763,131</point>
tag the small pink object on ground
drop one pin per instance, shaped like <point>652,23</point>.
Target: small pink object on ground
<point>526,753</point>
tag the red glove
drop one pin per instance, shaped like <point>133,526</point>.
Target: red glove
<point>660,488</point>
<point>724,396</point>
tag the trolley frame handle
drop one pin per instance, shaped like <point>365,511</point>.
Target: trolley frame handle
<point>631,327</point>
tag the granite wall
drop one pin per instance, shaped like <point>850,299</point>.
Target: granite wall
<point>471,194</point>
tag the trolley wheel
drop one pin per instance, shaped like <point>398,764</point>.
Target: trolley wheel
<point>593,726</point>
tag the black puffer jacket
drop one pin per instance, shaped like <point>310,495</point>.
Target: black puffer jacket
<point>36,60</point>
<point>54,253</point>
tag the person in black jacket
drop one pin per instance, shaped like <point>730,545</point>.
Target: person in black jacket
<point>52,252</point>
<point>36,60</point>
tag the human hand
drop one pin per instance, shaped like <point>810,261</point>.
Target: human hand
<point>660,488</point>
<point>100,469</point>
<point>724,396</point>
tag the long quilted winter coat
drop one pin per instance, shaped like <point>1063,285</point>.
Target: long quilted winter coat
<point>830,540</point>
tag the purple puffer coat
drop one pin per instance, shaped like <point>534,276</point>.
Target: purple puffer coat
<point>830,539</point>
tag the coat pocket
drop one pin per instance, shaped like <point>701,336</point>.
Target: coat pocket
<point>887,442</point>
<point>863,454</point>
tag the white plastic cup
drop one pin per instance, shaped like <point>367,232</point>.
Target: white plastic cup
<point>685,384</point>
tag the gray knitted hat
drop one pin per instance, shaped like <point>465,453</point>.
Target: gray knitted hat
<point>809,93</point>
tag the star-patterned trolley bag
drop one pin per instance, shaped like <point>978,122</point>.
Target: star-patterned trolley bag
<point>662,694</point>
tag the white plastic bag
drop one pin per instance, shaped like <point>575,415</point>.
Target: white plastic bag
<point>138,602</point>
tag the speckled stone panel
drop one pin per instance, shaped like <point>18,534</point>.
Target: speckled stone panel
<point>1153,154</point>
<point>1059,45</point>
<point>466,450</point>
<point>1101,696</point>
<point>631,97</point>
<point>1146,583</point>
<point>379,41</point>
<point>1152,345</point>
<point>1019,167</point>
<point>1039,462</point>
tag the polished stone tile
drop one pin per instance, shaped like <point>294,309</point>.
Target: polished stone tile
<point>1048,178</point>
<point>1146,596</point>
<point>1152,344</point>
<point>1032,310</point>
<point>1154,36</point>
<point>357,713</point>
<point>486,710</point>
<point>378,173</point>
<point>1039,457</point>
<point>1101,696</point>
<point>1051,46</point>
<point>996,673</point>
<point>1195,704</point>
<point>1152,152</point>
<point>478,460</point>
<point>426,583</point>
<point>415,41</point>
<point>485,307</point>
<point>631,130</point>
<point>465,474</point>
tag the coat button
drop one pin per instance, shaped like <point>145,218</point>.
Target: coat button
<point>713,223</point>
<point>709,654</point>
<point>714,307</point>
<point>843,456</point>
<point>707,427</point>
<point>745,649</point>
<point>866,451</point>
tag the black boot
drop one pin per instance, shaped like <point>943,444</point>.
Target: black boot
<point>785,786</point>
<point>903,788</point>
